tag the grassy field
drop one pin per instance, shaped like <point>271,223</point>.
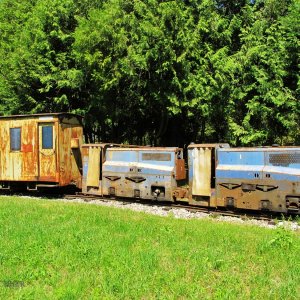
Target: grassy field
<point>55,250</point>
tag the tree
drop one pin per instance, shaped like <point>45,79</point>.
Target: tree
<point>156,72</point>
<point>264,108</point>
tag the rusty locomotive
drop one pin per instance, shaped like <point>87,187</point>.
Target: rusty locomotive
<point>47,150</point>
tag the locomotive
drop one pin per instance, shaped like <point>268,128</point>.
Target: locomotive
<point>265,178</point>
<point>47,150</point>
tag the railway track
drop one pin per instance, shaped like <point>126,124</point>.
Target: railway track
<point>213,212</point>
<point>267,218</point>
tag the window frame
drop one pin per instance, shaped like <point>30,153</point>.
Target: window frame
<point>19,141</point>
<point>156,156</point>
<point>45,140</point>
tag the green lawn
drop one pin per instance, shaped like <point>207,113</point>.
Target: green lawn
<point>55,250</point>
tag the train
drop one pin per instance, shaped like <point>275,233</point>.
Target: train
<point>46,151</point>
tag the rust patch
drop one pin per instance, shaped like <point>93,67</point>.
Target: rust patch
<point>180,193</point>
<point>47,178</point>
<point>74,133</point>
<point>27,148</point>
<point>180,169</point>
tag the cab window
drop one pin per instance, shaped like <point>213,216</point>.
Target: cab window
<point>15,139</point>
<point>47,137</point>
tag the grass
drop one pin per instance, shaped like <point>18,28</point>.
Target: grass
<point>55,250</point>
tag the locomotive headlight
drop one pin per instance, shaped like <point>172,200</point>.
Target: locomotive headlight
<point>156,193</point>
<point>265,204</point>
<point>230,201</point>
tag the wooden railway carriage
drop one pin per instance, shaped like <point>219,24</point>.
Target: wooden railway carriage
<point>40,150</point>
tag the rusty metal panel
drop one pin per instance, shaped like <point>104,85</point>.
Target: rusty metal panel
<point>203,175</point>
<point>236,197</point>
<point>75,143</point>
<point>202,172</point>
<point>88,155</point>
<point>181,194</point>
<point>70,162</point>
<point>93,174</point>
<point>180,169</point>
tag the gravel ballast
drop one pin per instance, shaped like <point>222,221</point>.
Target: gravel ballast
<point>179,213</point>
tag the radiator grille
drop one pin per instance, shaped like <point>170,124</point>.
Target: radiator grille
<point>284,159</point>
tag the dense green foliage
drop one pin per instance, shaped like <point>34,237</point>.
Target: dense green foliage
<point>158,72</point>
<point>55,250</point>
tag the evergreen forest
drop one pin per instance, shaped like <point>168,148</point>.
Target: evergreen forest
<point>156,72</point>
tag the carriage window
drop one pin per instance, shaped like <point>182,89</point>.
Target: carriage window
<point>156,156</point>
<point>47,137</point>
<point>15,139</point>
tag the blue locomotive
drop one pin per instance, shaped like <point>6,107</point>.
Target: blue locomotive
<point>132,172</point>
<point>259,178</point>
<point>265,178</point>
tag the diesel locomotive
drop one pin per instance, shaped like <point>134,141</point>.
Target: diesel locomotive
<point>47,150</point>
<point>264,178</point>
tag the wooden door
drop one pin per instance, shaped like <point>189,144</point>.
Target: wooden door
<point>47,152</point>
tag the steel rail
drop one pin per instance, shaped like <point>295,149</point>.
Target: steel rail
<point>270,217</point>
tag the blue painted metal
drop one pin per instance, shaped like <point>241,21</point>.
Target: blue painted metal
<point>259,178</point>
<point>244,163</point>
<point>233,163</point>
<point>140,172</point>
